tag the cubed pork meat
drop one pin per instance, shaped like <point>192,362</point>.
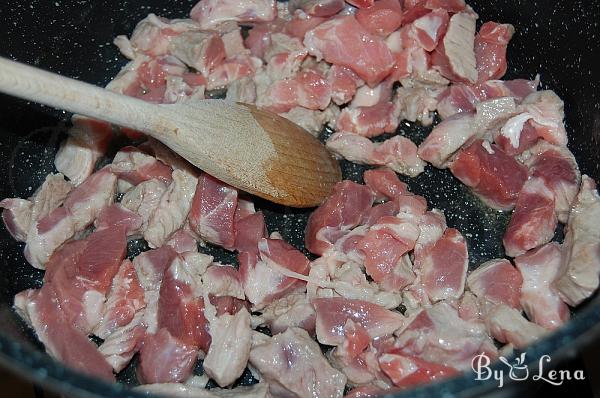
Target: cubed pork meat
<point>454,57</point>
<point>344,83</point>
<point>490,50</point>
<point>495,177</point>
<point>451,134</point>
<point>43,312</point>
<point>398,153</point>
<point>498,282</point>
<point>280,359</point>
<point>382,18</point>
<point>539,298</point>
<point>342,211</point>
<point>172,210</point>
<point>87,142</point>
<point>507,325</point>
<point>223,280</point>
<point>230,347</point>
<point>578,276</point>
<point>408,371</point>
<point>213,210</point>
<point>416,104</point>
<point>263,275</point>
<point>438,335</point>
<point>317,8</point>
<point>144,199</point>
<point>81,207</point>
<point>293,310</point>
<point>165,359</point>
<point>385,183</point>
<point>200,50</point>
<point>19,214</point>
<point>133,167</point>
<point>443,266</point>
<point>332,314</point>
<point>463,98</point>
<point>211,13</point>
<point>343,41</point>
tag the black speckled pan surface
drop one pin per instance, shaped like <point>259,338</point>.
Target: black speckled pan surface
<point>558,39</point>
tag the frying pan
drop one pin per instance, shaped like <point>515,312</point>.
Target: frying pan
<point>555,38</point>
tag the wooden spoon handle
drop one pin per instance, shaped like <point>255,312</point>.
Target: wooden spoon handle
<point>61,92</point>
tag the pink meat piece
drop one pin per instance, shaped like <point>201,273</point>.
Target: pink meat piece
<point>438,335</point>
<point>528,136</point>
<point>143,199</point>
<point>428,30</point>
<point>368,121</point>
<point>360,4</point>
<point>384,17</point>
<point>259,37</point>
<point>415,8</point>
<point>134,166</point>
<point>342,211</point>
<point>332,314</point>
<point>81,274</point>
<point>508,325</point>
<point>343,82</point>
<point>293,310</point>
<point>200,50</point>
<point>117,216</point>
<point>42,310</point>
<point>432,225</point>
<point>302,23</point>
<point>223,280</point>
<point>578,276</point>
<point>125,299</point>
<point>497,281</point>
<point>80,209</point>
<point>557,167</point>
<point>454,57</point>
<point>317,8</point>
<point>533,221</point>
<point>374,214</point>
<point>496,178</point>
<point>249,231</point>
<point>308,89</point>
<point>490,50</point>
<point>343,41</point>
<point>153,34</point>
<point>463,98</point>
<point>444,266</point>
<point>280,359</point>
<point>165,359</point>
<point>19,214</point>
<point>183,241</point>
<point>463,128</point>
<point>213,210</point>
<point>262,282</point>
<point>367,96</point>
<point>385,244</point>
<point>87,142</point>
<point>409,371</point>
<point>121,326</point>
<point>173,208</point>
<point>180,307</point>
<point>539,299</point>
<point>230,348</point>
<point>210,13</point>
<point>398,153</point>
<point>385,183</point>
<point>542,112</point>
<point>232,69</point>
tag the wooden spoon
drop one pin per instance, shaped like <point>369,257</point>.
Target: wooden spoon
<point>252,149</point>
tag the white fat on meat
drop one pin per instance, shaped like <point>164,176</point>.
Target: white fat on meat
<point>144,198</point>
<point>459,46</point>
<point>19,214</point>
<point>148,36</point>
<point>223,280</point>
<point>578,277</point>
<point>508,325</point>
<point>282,358</point>
<point>462,128</point>
<point>416,104</point>
<point>293,310</point>
<point>348,280</point>
<point>211,13</point>
<point>398,153</point>
<point>87,143</point>
<point>172,210</point>
<point>242,90</point>
<point>312,120</point>
<point>230,347</point>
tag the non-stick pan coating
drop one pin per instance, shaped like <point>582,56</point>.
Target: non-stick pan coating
<point>557,39</point>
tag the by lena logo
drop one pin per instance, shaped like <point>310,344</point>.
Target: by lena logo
<point>519,371</point>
